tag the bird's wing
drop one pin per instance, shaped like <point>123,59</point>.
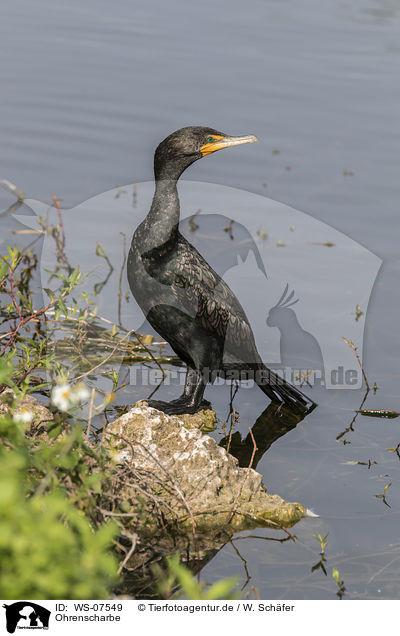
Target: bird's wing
<point>219,312</point>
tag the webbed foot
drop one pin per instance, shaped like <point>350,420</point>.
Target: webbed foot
<point>178,407</point>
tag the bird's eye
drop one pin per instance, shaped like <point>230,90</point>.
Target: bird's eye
<point>209,140</point>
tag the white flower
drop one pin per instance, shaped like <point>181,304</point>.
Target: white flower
<point>80,393</point>
<point>61,396</point>
<point>121,457</point>
<point>64,396</point>
<point>23,416</point>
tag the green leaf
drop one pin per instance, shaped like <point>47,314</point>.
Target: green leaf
<point>50,293</point>
<point>335,574</point>
<point>99,251</point>
<point>62,306</point>
<point>75,276</point>
<point>223,590</point>
<point>386,487</point>
<point>5,372</point>
<point>54,431</point>
<point>60,276</point>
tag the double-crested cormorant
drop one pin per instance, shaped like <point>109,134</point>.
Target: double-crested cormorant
<point>183,298</point>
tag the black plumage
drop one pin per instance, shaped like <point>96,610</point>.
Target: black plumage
<point>183,298</point>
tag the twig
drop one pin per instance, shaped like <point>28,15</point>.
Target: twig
<point>80,377</point>
<point>244,562</point>
<point>352,345</point>
<point>255,536</point>
<point>350,427</point>
<point>60,237</point>
<point>254,448</point>
<point>59,212</point>
<point>292,536</point>
<point>379,413</point>
<point>120,279</point>
<point>31,318</point>
<point>233,420</point>
<point>7,185</point>
<point>134,538</point>
<point>232,414</point>
<point>10,210</point>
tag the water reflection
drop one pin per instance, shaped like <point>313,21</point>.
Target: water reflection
<point>273,423</point>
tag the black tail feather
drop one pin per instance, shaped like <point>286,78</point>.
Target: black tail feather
<point>278,390</point>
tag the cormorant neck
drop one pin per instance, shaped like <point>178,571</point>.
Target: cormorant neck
<point>162,220</point>
<point>160,228</point>
<point>171,169</point>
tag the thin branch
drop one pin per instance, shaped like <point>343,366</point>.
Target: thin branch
<point>7,185</point>
<point>80,377</point>
<point>352,345</point>
<point>254,448</point>
<point>120,279</point>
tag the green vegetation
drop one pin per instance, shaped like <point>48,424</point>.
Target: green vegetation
<point>175,575</point>
<point>323,542</point>
<point>58,482</point>
<point>49,547</point>
<point>339,583</point>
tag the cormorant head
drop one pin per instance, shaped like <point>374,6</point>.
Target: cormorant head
<point>180,149</point>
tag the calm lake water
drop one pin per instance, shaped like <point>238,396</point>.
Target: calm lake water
<point>87,92</point>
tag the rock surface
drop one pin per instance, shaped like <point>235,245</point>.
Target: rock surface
<point>169,461</point>
<point>203,485</point>
<point>170,488</point>
<point>42,417</point>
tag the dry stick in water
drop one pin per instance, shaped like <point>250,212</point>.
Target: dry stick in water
<point>350,428</point>
<point>59,212</point>
<point>254,447</point>
<point>352,345</point>
<point>120,278</point>
<point>80,377</point>
<point>7,185</point>
<point>379,413</point>
<point>233,420</point>
<point>61,237</point>
<point>232,414</point>
<point>10,187</point>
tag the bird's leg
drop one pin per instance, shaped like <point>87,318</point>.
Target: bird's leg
<point>194,389</point>
<point>191,399</point>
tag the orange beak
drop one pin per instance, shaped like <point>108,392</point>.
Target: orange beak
<point>219,143</point>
